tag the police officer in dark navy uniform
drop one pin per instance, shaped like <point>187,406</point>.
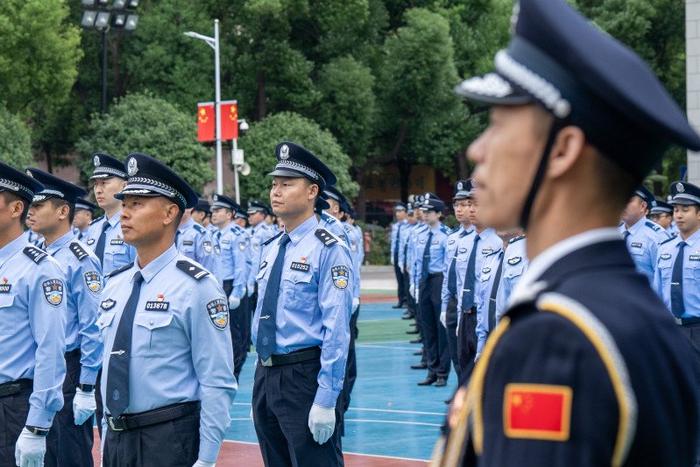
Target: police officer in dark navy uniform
<point>301,324</point>
<point>167,380</point>
<point>587,367</point>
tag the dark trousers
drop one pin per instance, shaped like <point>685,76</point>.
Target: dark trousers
<point>692,332</point>
<point>282,399</point>
<point>237,326</point>
<point>451,332</point>
<point>69,445</point>
<point>350,370</point>
<point>466,346</point>
<point>169,444</point>
<point>13,415</point>
<point>410,302</point>
<point>99,405</point>
<point>434,337</point>
<point>401,286</point>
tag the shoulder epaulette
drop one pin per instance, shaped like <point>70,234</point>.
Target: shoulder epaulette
<point>494,252</point>
<point>326,237</point>
<point>192,270</point>
<point>667,240</point>
<point>444,229</point>
<point>97,220</point>
<point>652,226</point>
<point>199,228</point>
<point>35,254</point>
<point>235,229</point>
<point>516,239</point>
<point>78,251</point>
<point>120,270</point>
<point>269,240</point>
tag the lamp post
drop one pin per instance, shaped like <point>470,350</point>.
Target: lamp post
<point>237,159</point>
<point>213,42</point>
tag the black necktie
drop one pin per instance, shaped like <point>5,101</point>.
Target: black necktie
<point>470,279</point>
<point>677,305</point>
<point>625,234</point>
<point>452,272</point>
<point>396,244</point>
<point>494,293</point>
<point>426,257</point>
<point>117,393</point>
<point>100,248</point>
<point>267,325</point>
<point>177,236</point>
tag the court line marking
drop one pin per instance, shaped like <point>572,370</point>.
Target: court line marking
<point>375,346</point>
<point>233,441</point>
<point>367,409</point>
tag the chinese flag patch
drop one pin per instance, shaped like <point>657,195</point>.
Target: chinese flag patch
<point>537,411</point>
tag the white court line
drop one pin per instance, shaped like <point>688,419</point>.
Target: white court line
<point>366,409</point>
<point>394,422</point>
<point>374,346</point>
<point>232,441</point>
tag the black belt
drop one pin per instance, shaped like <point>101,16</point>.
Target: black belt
<point>434,274</point>
<point>303,355</point>
<point>152,417</point>
<point>686,321</point>
<point>72,353</point>
<point>15,387</point>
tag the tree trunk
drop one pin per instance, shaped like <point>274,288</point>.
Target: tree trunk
<point>260,98</point>
<point>461,164</point>
<point>49,158</point>
<point>404,166</point>
<point>361,203</point>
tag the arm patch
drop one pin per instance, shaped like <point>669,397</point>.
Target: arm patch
<point>192,270</point>
<point>325,237</point>
<point>78,251</point>
<point>35,254</point>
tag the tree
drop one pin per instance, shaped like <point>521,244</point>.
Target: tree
<point>260,141</point>
<point>147,124</point>
<point>15,145</point>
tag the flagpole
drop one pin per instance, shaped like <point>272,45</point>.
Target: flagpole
<point>217,107</point>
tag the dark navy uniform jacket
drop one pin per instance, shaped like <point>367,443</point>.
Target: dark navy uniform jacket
<point>578,373</point>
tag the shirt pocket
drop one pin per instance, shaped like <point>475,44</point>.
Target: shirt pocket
<point>117,252</point>
<point>8,322</point>
<point>691,270</point>
<point>152,333</point>
<point>300,291</point>
<point>513,272</point>
<point>104,321</point>
<point>665,268</point>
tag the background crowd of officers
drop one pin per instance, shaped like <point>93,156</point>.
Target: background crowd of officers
<point>456,283</point>
<point>144,316</point>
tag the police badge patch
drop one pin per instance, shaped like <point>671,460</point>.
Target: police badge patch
<point>107,304</point>
<point>207,246</point>
<point>93,282</point>
<point>340,276</point>
<point>90,241</point>
<point>218,313</point>
<point>53,291</point>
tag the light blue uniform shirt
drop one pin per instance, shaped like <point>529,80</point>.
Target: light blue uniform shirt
<point>356,253</point>
<point>451,248</point>
<point>259,234</point>
<point>194,241</point>
<point>117,253</point>
<point>314,303</point>
<point>32,341</point>
<point>436,249</point>
<point>180,353</point>
<point>396,235</point>
<point>336,227</point>
<point>411,252</point>
<point>643,243</point>
<point>84,284</point>
<point>404,237</point>
<point>485,280</point>
<point>489,242</point>
<point>668,251</point>
<point>32,238</point>
<point>515,263</point>
<point>233,260</point>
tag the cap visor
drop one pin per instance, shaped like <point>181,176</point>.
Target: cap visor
<point>492,89</point>
<point>287,173</point>
<point>683,202</point>
<point>137,192</point>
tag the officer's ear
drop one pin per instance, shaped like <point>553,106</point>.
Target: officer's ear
<point>173,214</point>
<point>568,148</point>
<point>314,190</point>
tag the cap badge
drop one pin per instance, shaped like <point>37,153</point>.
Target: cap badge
<point>460,186</point>
<point>96,161</point>
<point>284,152</point>
<point>216,198</point>
<point>132,167</point>
<point>29,172</point>
<point>680,188</point>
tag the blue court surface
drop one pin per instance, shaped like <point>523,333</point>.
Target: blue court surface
<point>389,414</point>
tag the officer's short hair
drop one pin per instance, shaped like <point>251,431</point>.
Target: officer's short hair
<point>57,203</point>
<point>615,184</point>
<point>10,197</point>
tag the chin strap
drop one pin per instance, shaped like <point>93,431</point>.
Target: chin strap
<point>539,175</point>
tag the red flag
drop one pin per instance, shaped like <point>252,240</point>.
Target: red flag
<point>537,411</point>
<point>206,122</point>
<point>229,120</point>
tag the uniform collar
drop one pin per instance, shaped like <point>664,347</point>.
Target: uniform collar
<point>531,282</point>
<point>437,228</point>
<point>12,248</point>
<point>60,242</point>
<point>115,219</point>
<point>155,266</point>
<point>303,229</point>
<point>692,239</point>
<point>187,225</point>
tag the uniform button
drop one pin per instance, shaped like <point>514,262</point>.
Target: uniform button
<point>150,322</point>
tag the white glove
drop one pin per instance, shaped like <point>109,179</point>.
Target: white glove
<point>355,304</point>
<point>478,355</point>
<point>251,290</point>
<point>417,294</point>
<point>321,423</point>
<point>412,290</point>
<point>233,302</point>
<point>443,319</point>
<point>30,449</point>
<point>83,406</point>
<point>200,463</point>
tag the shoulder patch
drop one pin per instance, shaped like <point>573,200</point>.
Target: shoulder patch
<point>35,254</point>
<point>192,270</point>
<point>199,228</point>
<point>120,270</point>
<point>97,220</point>
<point>78,251</point>
<point>668,240</point>
<point>652,226</point>
<point>269,240</point>
<point>516,239</point>
<point>325,237</point>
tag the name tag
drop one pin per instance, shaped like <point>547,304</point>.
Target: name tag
<point>636,245</point>
<point>157,306</point>
<point>116,241</point>
<point>486,251</point>
<point>300,267</point>
<point>694,257</point>
<point>5,288</point>
<point>188,243</point>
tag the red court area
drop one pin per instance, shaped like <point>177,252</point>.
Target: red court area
<point>234,454</point>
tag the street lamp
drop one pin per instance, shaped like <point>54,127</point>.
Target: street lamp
<point>213,42</point>
<point>237,159</point>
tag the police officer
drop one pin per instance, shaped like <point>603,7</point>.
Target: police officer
<point>642,235</point>
<point>105,234</point>
<point>414,280</point>
<point>260,232</point>
<point>448,313</point>
<point>168,377</point>
<point>84,214</point>
<point>428,267</point>
<point>515,264</point>
<point>400,216</point>
<point>234,263</point>
<point>300,325</point>
<point>70,440</point>
<point>577,121</point>
<point>32,329</point>
<point>662,215</point>
<point>678,267</point>
<point>404,236</point>
<point>202,214</point>
<point>194,241</point>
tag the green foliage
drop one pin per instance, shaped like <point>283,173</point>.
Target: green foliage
<point>259,145</point>
<point>380,249</point>
<point>147,124</point>
<point>15,145</point>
